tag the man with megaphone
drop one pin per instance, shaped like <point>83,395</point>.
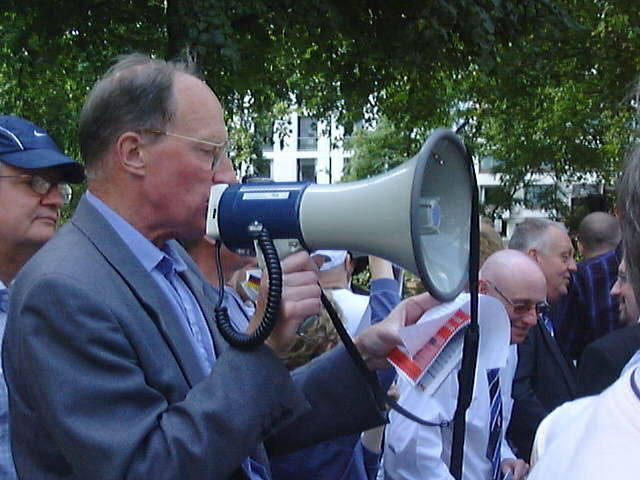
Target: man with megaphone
<point>114,364</point>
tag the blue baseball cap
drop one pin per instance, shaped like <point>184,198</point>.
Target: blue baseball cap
<point>25,145</point>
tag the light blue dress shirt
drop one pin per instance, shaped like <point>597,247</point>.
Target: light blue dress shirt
<point>7,469</point>
<point>164,266</point>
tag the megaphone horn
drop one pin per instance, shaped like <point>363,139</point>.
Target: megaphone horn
<point>416,215</point>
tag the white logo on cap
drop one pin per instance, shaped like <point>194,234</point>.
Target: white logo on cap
<point>38,134</point>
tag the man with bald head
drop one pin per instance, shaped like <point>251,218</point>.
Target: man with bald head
<point>599,232</point>
<point>589,312</point>
<point>115,366</point>
<point>517,281</point>
<point>415,451</point>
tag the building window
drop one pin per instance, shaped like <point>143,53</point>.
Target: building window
<point>267,141</point>
<point>307,133</point>
<point>488,164</point>
<point>306,169</point>
<point>585,189</point>
<point>359,125</point>
<point>535,196</point>
<point>491,196</point>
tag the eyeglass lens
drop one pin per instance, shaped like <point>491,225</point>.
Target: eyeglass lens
<point>42,186</point>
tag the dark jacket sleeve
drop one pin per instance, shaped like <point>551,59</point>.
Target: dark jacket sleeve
<point>528,410</point>
<point>596,371</point>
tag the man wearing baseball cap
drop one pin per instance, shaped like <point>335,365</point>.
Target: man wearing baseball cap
<point>34,184</point>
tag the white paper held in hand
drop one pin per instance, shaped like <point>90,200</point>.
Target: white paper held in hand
<point>433,346</point>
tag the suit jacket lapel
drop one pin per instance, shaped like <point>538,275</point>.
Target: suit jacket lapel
<point>561,360</point>
<point>151,297</point>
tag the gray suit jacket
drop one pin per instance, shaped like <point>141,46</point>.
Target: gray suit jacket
<point>104,383</point>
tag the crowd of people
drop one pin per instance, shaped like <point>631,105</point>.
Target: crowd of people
<point>114,367</point>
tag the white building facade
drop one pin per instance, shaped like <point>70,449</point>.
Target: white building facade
<point>313,151</point>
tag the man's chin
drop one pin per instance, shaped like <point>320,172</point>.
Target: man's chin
<point>564,290</point>
<point>38,238</point>
<point>43,229</point>
<point>518,336</point>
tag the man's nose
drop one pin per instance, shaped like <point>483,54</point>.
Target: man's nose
<point>223,172</point>
<point>53,197</point>
<point>615,290</point>
<point>531,317</point>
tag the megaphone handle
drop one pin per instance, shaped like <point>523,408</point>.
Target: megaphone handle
<point>227,330</point>
<point>370,377</point>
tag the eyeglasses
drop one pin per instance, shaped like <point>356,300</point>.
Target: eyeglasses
<point>220,148</point>
<point>522,308</point>
<point>42,186</point>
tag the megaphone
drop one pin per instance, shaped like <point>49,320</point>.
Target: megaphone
<point>416,215</point>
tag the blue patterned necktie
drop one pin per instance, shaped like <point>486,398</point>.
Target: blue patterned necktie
<point>546,321</point>
<point>252,469</point>
<point>495,426</point>
<point>4,300</point>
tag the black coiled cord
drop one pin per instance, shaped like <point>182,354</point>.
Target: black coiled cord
<point>370,377</point>
<point>272,261</point>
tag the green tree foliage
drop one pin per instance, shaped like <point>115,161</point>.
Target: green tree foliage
<point>377,151</point>
<point>558,102</point>
<point>540,84</point>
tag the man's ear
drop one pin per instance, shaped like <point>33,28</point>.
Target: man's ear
<point>533,253</point>
<point>130,153</point>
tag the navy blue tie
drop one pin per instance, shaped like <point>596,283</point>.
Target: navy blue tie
<point>495,426</point>
<point>546,321</point>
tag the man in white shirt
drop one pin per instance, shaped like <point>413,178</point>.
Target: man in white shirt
<point>415,451</point>
<point>594,437</point>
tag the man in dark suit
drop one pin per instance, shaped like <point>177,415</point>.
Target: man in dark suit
<point>114,364</point>
<point>545,378</point>
<point>604,359</point>
<point>589,312</point>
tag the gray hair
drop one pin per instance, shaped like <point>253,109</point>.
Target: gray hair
<point>135,93</point>
<point>629,213</point>
<point>533,233</point>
